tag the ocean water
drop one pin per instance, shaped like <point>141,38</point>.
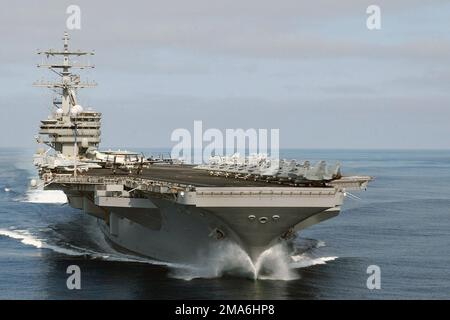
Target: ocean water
<point>401,224</point>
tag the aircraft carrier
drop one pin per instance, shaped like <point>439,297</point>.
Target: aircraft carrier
<point>167,210</point>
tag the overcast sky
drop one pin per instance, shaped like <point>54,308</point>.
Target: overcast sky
<point>309,68</point>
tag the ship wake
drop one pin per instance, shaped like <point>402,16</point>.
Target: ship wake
<point>33,240</point>
<point>45,196</point>
<point>227,258</point>
<point>276,263</point>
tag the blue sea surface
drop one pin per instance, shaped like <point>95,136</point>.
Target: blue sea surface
<point>401,224</point>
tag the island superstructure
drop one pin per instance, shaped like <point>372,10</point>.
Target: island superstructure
<point>167,210</point>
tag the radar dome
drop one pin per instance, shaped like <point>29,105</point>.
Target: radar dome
<point>76,109</point>
<point>84,143</point>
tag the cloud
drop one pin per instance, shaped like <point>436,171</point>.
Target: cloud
<point>256,63</point>
<point>288,29</point>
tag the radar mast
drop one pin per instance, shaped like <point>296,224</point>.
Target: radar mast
<point>70,129</point>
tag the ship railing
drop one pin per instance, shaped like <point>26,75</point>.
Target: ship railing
<point>129,182</point>
<point>86,179</point>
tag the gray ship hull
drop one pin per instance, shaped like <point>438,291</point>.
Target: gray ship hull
<point>168,231</point>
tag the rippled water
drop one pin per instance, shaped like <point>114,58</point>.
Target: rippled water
<point>401,223</point>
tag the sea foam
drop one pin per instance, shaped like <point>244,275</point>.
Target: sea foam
<point>45,196</point>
